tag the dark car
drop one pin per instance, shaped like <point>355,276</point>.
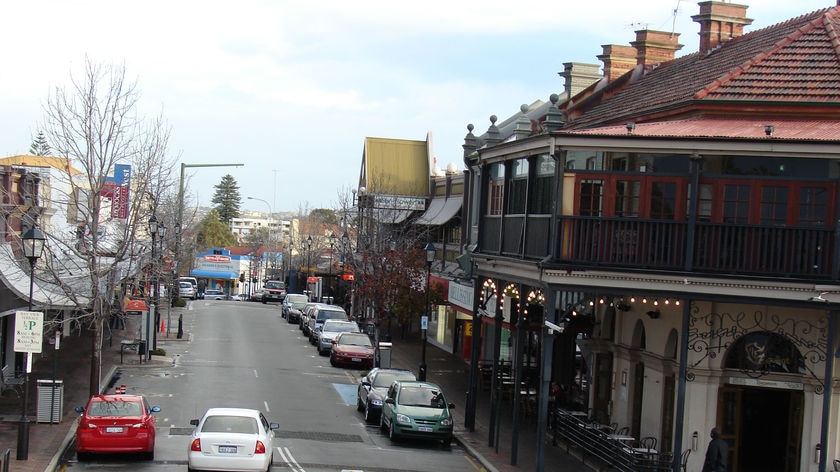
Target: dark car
<point>374,387</point>
<point>292,306</point>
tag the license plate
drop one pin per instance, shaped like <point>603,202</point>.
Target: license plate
<point>227,449</point>
<point>114,429</point>
<point>356,359</point>
<point>424,429</point>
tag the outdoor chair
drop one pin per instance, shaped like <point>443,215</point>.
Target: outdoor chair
<point>648,442</point>
<point>624,431</point>
<point>684,460</point>
<point>836,465</point>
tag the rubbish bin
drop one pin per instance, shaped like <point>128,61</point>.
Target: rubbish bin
<point>141,348</point>
<point>50,398</point>
<point>385,355</point>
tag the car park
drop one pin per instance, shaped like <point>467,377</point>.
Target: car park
<point>415,409</point>
<point>373,387</point>
<point>116,423</point>
<point>234,439</point>
<point>353,349</point>
<point>292,306</point>
<point>214,295</point>
<point>329,330</point>
<point>321,314</point>
<point>186,290</point>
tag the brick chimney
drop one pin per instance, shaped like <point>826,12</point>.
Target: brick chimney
<point>579,76</point>
<point>617,60</point>
<point>653,47</point>
<point>720,22</point>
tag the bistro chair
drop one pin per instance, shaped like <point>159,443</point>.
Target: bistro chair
<point>648,442</point>
<point>836,465</point>
<point>611,428</point>
<point>687,452</point>
<point>624,431</point>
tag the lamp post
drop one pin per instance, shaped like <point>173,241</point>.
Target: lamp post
<point>332,245</point>
<point>153,229</point>
<point>424,321</point>
<point>161,231</point>
<point>308,262</point>
<point>270,242</point>
<point>33,247</point>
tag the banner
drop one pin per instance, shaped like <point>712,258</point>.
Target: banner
<point>117,188</point>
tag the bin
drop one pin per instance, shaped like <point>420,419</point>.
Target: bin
<point>385,355</point>
<point>50,397</point>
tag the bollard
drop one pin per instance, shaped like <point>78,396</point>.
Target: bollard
<point>180,326</point>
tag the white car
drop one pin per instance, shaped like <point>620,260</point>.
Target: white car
<point>235,439</point>
<point>214,295</point>
<point>237,297</point>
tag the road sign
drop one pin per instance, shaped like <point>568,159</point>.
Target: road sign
<point>29,331</point>
<point>424,322</point>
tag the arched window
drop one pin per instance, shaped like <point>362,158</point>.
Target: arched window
<point>767,352</point>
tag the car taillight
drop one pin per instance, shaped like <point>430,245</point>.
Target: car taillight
<point>260,448</point>
<point>196,445</point>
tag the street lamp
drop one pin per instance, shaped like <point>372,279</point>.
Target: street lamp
<point>424,321</point>
<point>162,234</point>
<point>270,243</point>
<point>33,247</point>
<point>332,245</point>
<point>153,229</point>
<point>308,262</point>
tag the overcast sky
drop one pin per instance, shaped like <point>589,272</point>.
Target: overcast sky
<point>292,88</point>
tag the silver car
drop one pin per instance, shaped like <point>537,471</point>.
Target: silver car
<point>329,330</point>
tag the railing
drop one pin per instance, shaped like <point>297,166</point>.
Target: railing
<point>752,250</point>
<point>592,441</point>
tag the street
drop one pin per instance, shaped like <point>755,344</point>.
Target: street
<point>244,354</point>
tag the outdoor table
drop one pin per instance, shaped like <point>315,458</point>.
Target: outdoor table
<point>621,438</point>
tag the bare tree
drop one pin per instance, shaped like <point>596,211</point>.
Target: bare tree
<point>94,124</point>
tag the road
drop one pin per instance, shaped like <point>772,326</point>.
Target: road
<point>246,355</point>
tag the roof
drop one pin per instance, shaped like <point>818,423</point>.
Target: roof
<point>793,66</point>
<point>723,127</point>
<point>60,163</point>
<point>396,167</point>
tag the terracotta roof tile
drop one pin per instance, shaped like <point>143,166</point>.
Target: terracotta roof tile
<point>792,64</point>
<point>723,127</point>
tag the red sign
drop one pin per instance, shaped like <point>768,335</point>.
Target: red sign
<point>216,258</point>
<point>348,277</point>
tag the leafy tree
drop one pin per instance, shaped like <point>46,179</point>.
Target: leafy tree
<point>324,216</point>
<point>213,232</point>
<point>257,237</point>
<point>227,199</point>
<point>40,147</point>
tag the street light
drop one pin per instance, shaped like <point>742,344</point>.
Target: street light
<point>153,229</point>
<point>424,322</point>
<point>308,262</point>
<point>162,234</point>
<point>332,245</point>
<point>33,247</point>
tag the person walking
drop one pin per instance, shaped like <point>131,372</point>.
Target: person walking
<point>717,454</point>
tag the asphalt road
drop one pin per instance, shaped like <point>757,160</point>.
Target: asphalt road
<point>244,354</point>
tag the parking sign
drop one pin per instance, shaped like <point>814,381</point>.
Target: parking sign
<point>29,331</point>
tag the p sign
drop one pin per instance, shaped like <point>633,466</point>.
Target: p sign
<point>29,331</point>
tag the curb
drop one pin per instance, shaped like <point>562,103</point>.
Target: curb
<point>485,464</point>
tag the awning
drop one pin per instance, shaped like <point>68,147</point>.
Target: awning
<point>45,295</point>
<point>449,209</point>
<point>435,207</point>
<point>212,274</point>
<point>390,216</point>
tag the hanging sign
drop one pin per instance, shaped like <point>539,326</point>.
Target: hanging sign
<point>29,331</point>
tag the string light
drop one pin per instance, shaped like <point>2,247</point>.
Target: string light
<point>655,302</point>
<point>667,302</point>
<point>632,299</point>
<point>677,302</point>
<point>644,299</point>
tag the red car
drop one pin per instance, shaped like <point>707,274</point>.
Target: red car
<point>352,349</point>
<point>116,423</point>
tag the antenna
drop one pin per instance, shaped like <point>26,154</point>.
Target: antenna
<point>674,18</point>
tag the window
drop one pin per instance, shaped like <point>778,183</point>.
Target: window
<point>627,198</point>
<point>774,205</point>
<point>663,200</point>
<point>736,203</point>
<point>518,187</point>
<point>591,197</point>
<point>542,198</point>
<point>496,189</point>
<point>812,205</point>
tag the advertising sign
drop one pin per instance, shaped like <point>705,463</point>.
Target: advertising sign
<point>29,331</point>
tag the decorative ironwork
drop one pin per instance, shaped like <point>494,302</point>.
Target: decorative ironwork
<point>713,334</point>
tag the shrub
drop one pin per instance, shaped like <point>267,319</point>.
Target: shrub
<point>158,352</point>
<point>179,303</point>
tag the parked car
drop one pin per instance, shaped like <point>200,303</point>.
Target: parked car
<point>256,296</point>
<point>274,291</point>
<point>237,297</point>
<point>306,313</point>
<point>352,349</point>
<point>116,423</point>
<point>373,388</point>
<point>418,410</point>
<point>321,314</point>
<point>214,295</point>
<point>186,290</point>
<point>329,330</point>
<point>231,439</point>
<point>292,304</point>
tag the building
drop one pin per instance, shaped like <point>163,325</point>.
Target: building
<point>675,224</point>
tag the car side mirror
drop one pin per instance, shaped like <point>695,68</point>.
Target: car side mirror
<point>274,425</point>
<point>155,409</point>
<point>194,422</point>
<point>80,409</point>
<point>365,383</point>
<point>391,401</point>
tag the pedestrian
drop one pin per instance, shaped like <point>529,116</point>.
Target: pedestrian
<point>717,454</point>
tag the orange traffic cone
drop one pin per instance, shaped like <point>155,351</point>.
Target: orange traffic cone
<point>162,326</point>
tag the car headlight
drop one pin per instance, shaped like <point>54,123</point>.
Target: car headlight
<point>376,402</point>
<point>446,421</point>
<point>403,419</point>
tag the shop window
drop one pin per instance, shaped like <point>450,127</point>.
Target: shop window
<point>518,187</point>
<point>542,198</point>
<point>496,189</point>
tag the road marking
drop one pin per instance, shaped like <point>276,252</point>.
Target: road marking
<point>290,461</point>
<point>256,374</point>
<point>475,466</point>
<point>267,409</point>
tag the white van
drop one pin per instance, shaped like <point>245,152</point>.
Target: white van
<point>194,283</point>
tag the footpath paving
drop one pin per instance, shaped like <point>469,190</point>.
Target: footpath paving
<point>47,441</point>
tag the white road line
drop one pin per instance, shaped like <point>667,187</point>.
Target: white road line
<point>256,374</point>
<point>267,409</point>
<point>290,461</point>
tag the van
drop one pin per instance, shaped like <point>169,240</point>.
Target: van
<point>319,315</point>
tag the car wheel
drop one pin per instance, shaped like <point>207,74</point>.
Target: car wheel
<point>332,361</point>
<point>82,456</point>
<point>382,422</point>
<point>368,414</point>
<point>359,405</point>
<point>392,435</point>
<point>447,442</point>
<point>150,456</point>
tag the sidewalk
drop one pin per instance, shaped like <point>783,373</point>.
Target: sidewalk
<point>47,441</point>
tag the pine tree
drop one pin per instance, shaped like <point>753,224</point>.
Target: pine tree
<point>227,199</point>
<point>40,147</point>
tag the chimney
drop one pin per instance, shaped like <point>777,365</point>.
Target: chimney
<point>578,76</point>
<point>654,47</point>
<point>617,60</point>
<point>720,22</point>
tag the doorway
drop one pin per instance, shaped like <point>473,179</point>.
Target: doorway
<point>763,428</point>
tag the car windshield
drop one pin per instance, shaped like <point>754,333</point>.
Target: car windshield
<point>355,340</point>
<point>277,285</point>
<point>115,408</point>
<point>422,396</point>
<point>338,327</point>
<point>331,315</point>
<point>230,424</point>
<point>386,379</point>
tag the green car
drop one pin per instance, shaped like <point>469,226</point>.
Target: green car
<point>417,410</point>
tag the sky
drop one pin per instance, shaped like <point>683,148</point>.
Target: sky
<point>291,89</point>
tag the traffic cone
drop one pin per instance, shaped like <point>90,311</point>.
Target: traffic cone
<point>162,326</point>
